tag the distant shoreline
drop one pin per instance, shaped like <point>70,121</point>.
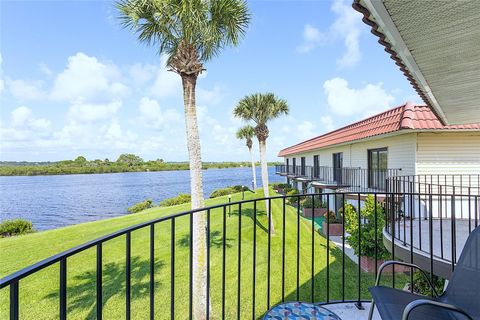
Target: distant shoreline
<point>59,168</point>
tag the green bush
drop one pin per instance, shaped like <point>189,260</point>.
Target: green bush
<point>332,217</point>
<point>293,200</point>
<point>314,203</point>
<point>15,227</point>
<point>239,188</point>
<point>221,192</point>
<point>141,206</point>
<point>181,198</point>
<point>421,286</point>
<point>367,229</point>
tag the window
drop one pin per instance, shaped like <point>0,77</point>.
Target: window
<point>337,166</point>
<point>377,168</point>
<point>302,166</point>
<point>294,160</point>
<point>288,167</point>
<point>316,167</point>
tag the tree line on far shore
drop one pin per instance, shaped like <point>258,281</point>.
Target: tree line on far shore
<point>126,162</point>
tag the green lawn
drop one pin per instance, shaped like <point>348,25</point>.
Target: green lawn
<point>39,292</point>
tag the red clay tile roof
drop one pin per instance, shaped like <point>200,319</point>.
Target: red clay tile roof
<point>405,117</point>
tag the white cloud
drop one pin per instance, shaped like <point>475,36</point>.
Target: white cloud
<point>45,69</point>
<point>327,123</point>
<point>24,126</point>
<point>153,117</point>
<point>347,26</point>
<point>305,130</point>
<point>212,96</point>
<point>87,79</point>
<point>312,38</point>
<point>24,90</point>
<point>345,101</point>
<point>2,82</point>
<point>141,74</point>
<point>91,112</point>
<point>167,83</point>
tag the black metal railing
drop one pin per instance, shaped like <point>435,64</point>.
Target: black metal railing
<point>353,179</point>
<point>450,204</point>
<point>248,269</point>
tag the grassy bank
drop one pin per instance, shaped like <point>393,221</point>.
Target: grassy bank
<point>39,292</point>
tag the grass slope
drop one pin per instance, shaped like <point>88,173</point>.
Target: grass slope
<point>39,292</point>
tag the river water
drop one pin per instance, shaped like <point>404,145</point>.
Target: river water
<point>56,201</point>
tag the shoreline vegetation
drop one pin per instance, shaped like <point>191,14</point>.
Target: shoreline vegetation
<point>124,163</point>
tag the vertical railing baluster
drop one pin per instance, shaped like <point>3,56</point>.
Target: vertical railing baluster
<point>313,251</point>
<point>208,264</point>
<point>298,248</point>
<point>328,248</point>
<point>14,310</point>
<point>343,247</point>
<point>172,269</point>
<point>128,283</point>
<point>392,215</point>
<point>190,267</point>
<point>359,301</point>
<point>430,231</point>
<point>375,221</point>
<point>152,271</point>
<point>63,288</point>
<point>452,231</point>
<point>283,248</point>
<point>269,250</point>
<point>99,305</point>
<point>254,256</point>
<point>412,206</point>
<point>239,258</point>
<point>224,245</point>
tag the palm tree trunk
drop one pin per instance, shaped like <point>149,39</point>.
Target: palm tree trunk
<point>199,272</point>
<point>263,163</point>
<point>254,173</point>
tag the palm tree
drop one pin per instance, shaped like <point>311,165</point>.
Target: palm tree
<point>189,33</point>
<point>261,108</point>
<point>246,133</point>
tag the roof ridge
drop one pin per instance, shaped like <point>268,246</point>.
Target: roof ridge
<point>348,125</point>
<point>408,116</point>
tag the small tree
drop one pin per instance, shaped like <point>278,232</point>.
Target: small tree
<point>129,159</point>
<point>262,108</point>
<point>246,133</point>
<point>367,229</point>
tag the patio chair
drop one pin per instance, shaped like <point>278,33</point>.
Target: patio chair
<point>460,300</point>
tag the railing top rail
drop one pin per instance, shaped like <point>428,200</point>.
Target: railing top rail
<point>18,275</point>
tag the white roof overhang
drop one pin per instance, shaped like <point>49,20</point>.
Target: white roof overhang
<point>437,46</point>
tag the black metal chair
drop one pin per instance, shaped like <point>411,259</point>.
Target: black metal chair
<point>460,300</point>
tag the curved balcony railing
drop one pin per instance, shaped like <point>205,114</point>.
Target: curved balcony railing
<point>434,216</point>
<point>249,269</point>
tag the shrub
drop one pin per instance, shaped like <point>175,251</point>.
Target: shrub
<point>221,192</point>
<point>293,200</point>
<point>181,198</point>
<point>15,227</point>
<point>332,217</point>
<point>367,229</point>
<point>315,203</point>
<point>141,206</point>
<point>421,286</point>
<point>238,188</point>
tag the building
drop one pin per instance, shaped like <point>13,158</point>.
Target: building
<point>407,141</point>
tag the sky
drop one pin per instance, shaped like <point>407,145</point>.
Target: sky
<point>74,82</point>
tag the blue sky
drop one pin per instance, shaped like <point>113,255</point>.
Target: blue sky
<point>73,82</point>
